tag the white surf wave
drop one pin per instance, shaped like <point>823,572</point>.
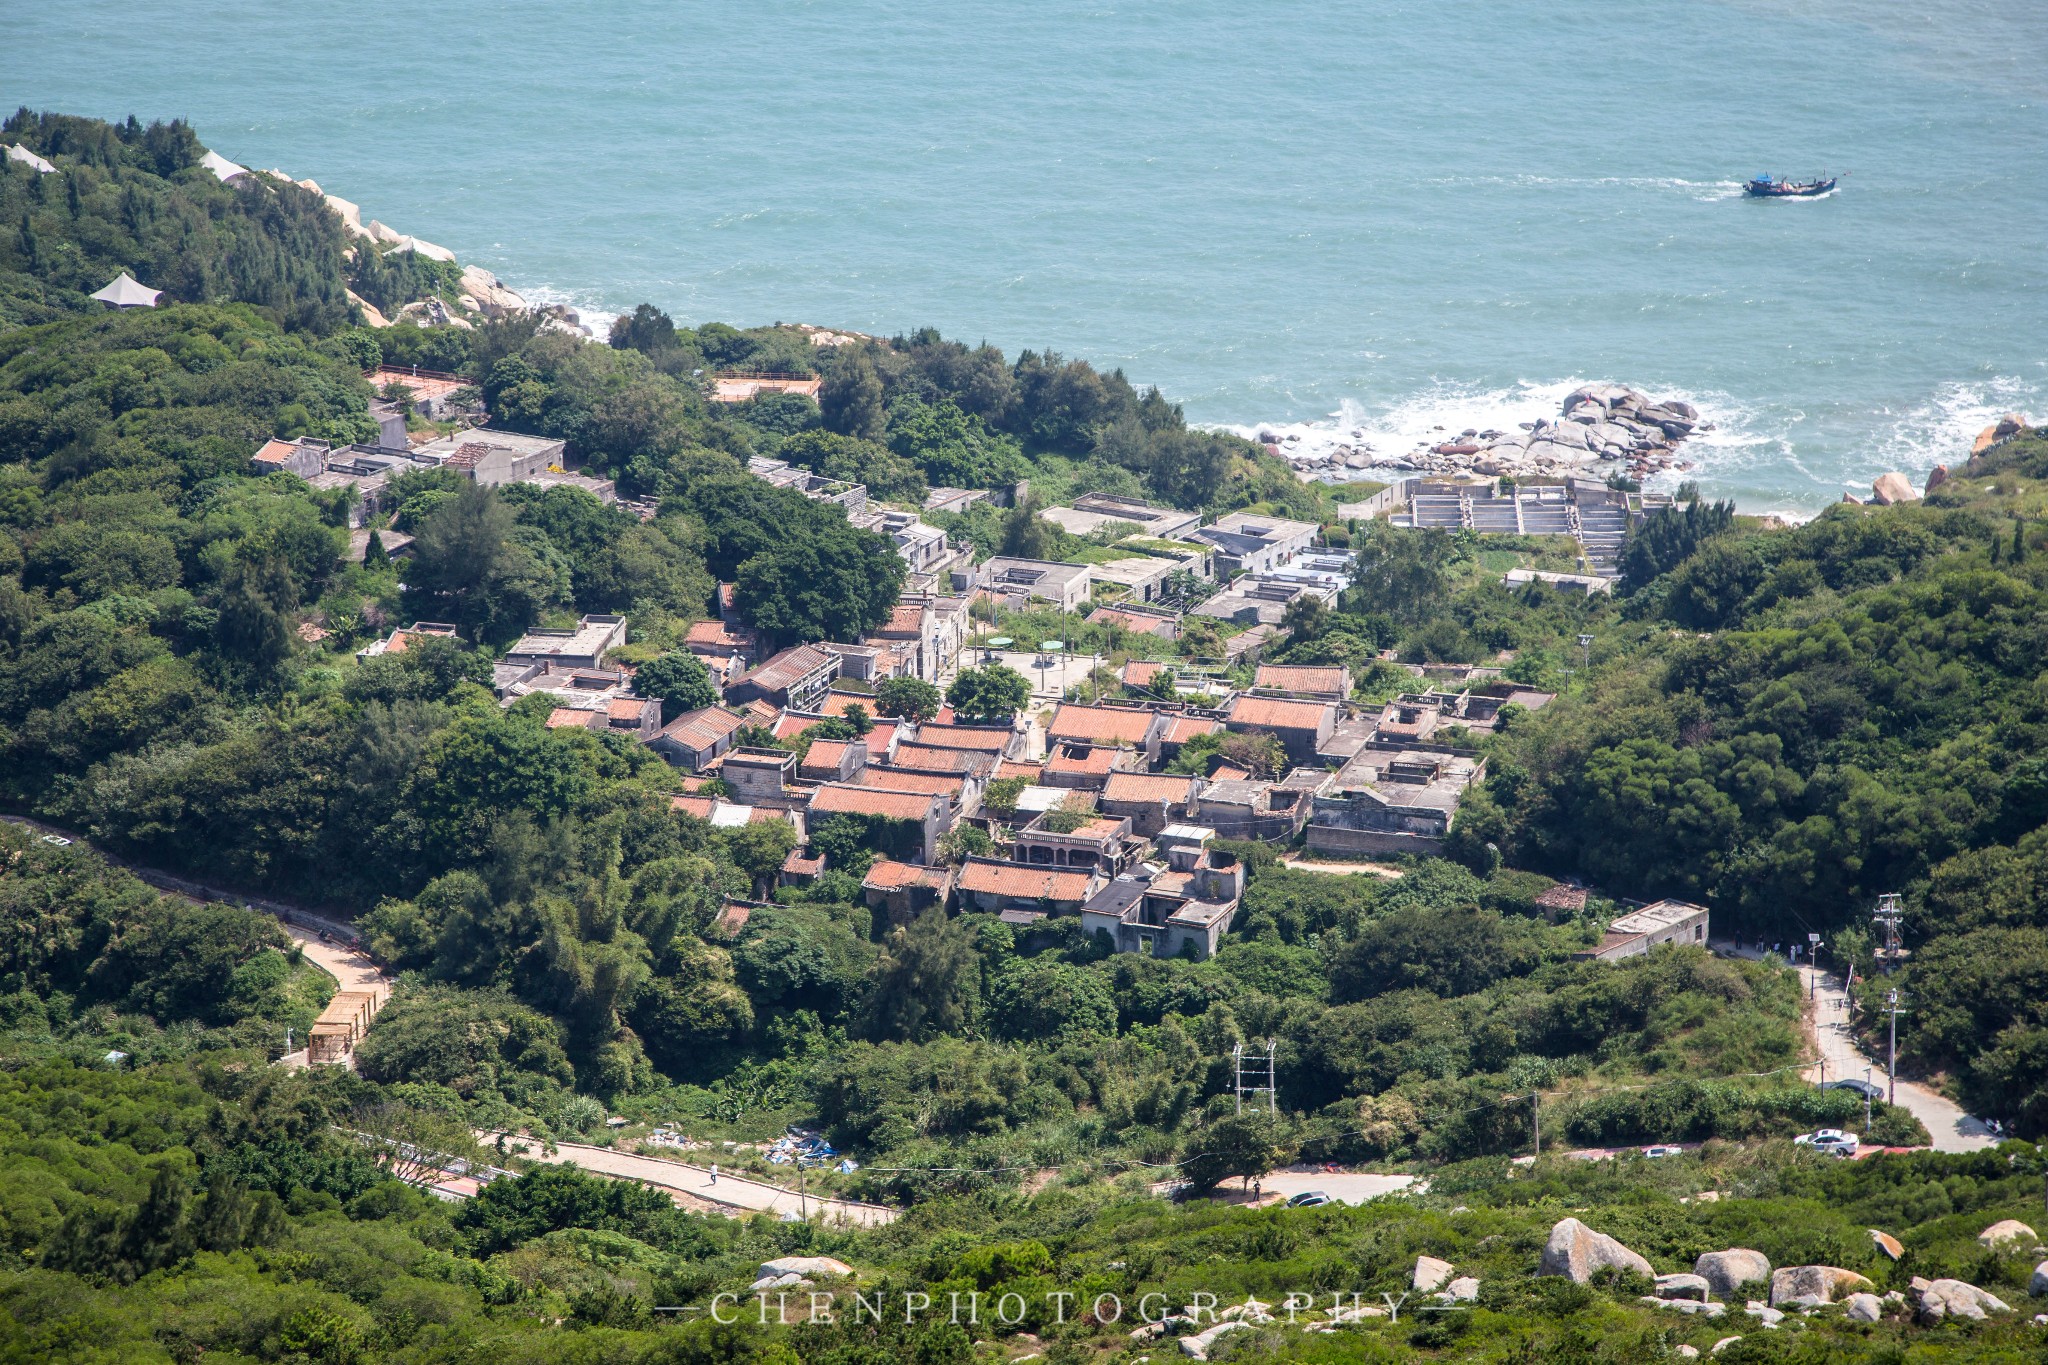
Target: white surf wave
<point>590,315</point>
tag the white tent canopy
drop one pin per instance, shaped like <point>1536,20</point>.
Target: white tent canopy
<point>15,152</point>
<point>124,292</point>
<point>221,166</point>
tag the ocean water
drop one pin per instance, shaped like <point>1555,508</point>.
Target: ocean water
<point>1385,216</point>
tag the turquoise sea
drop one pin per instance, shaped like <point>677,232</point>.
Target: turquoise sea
<point>1374,215</point>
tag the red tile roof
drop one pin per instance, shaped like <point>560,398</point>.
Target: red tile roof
<point>1096,761</point>
<point>1148,787</point>
<point>1181,729</point>
<point>568,717</point>
<point>468,455</point>
<point>1229,772</point>
<point>889,875</point>
<point>1019,882</point>
<point>1272,713</point>
<point>878,737</point>
<point>1141,672</point>
<point>1287,678</point>
<point>276,452</point>
<point>989,738</point>
<point>625,708</point>
<point>905,618</point>
<point>733,917</point>
<point>1100,724</point>
<point>702,729</point>
<point>786,669</point>
<point>713,635</point>
<point>835,798</point>
<point>826,752</point>
<point>896,780</point>
<point>1012,768</point>
<point>699,806</point>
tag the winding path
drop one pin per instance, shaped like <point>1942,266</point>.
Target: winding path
<point>1953,1130</point>
<point>692,1186</point>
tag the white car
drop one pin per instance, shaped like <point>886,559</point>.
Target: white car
<point>59,840</point>
<point>1663,1151</point>
<point>1833,1141</point>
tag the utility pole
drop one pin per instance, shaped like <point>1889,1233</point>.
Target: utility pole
<point>1536,1122</point>
<point>1891,1005</point>
<point>1813,967</point>
<point>1586,652</point>
<point>1867,1087</point>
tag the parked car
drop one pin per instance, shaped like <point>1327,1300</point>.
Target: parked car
<point>1307,1199</point>
<point>1664,1151</point>
<point>59,840</point>
<point>1833,1141</point>
<point>1875,1092</point>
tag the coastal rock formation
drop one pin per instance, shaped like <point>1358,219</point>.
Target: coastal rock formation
<point>2012,424</point>
<point>1727,1270</point>
<point>1602,429</point>
<point>1430,1274</point>
<point>1936,477</point>
<point>1953,1298</point>
<point>2006,1230</point>
<point>1892,488</point>
<point>1865,1308</point>
<point>1576,1251</point>
<point>1823,1282</point>
<point>805,1265</point>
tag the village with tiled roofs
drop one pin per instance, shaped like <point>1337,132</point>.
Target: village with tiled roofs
<point>1081,803</point>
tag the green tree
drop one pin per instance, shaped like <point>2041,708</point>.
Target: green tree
<point>760,847</point>
<point>908,697</point>
<point>851,397</point>
<point>470,566</point>
<point>1242,1145</point>
<point>925,981</point>
<point>680,679</point>
<point>1034,998</point>
<point>989,694</point>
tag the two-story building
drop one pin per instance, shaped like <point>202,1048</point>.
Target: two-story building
<point>795,680</point>
<point>1184,909</point>
<point>1392,801</point>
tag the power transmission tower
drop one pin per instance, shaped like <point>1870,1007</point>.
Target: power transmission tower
<point>1254,1073</point>
<point>1888,915</point>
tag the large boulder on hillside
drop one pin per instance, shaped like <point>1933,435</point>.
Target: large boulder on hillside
<point>1888,489</point>
<point>1683,1287</point>
<point>2007,1230</point>
<point>806,1265</point>
<point>1430,1274</point>
<point>1865,1308</point>
<point>1197,1346</point>
<point>1724,1270</point>
<point>1936,477</point>
<point>1887,1243</point>
<point>1576,1252</point>
<point>1824,1282</point>
<point>1955,1299</point>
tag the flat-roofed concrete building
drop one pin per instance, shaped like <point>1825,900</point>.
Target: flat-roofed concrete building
<point>1657,925</point>
<point>1036,580</point>
<point>583,647</point>
<point>1184,908</point>
<point>1091,512</point>
<point>1247,542</point>
<point>1392,801</point>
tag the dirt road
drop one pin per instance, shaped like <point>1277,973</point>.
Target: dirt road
<point>736,1195</point>
<point>1340,868</point>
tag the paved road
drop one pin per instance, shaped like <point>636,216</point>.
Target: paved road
<point>1953,1130</point>
<point>733,1194</point>
<point>351,970</point>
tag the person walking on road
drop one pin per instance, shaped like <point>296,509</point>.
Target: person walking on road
<point>714,1173</point>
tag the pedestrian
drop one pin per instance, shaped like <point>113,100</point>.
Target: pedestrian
<point>714,1173</point>
<point>1258,1191</point>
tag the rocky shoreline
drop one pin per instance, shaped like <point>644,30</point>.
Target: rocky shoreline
<point>1601,430</point>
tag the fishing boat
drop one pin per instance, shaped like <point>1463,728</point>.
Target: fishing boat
<point>1770,187</point>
